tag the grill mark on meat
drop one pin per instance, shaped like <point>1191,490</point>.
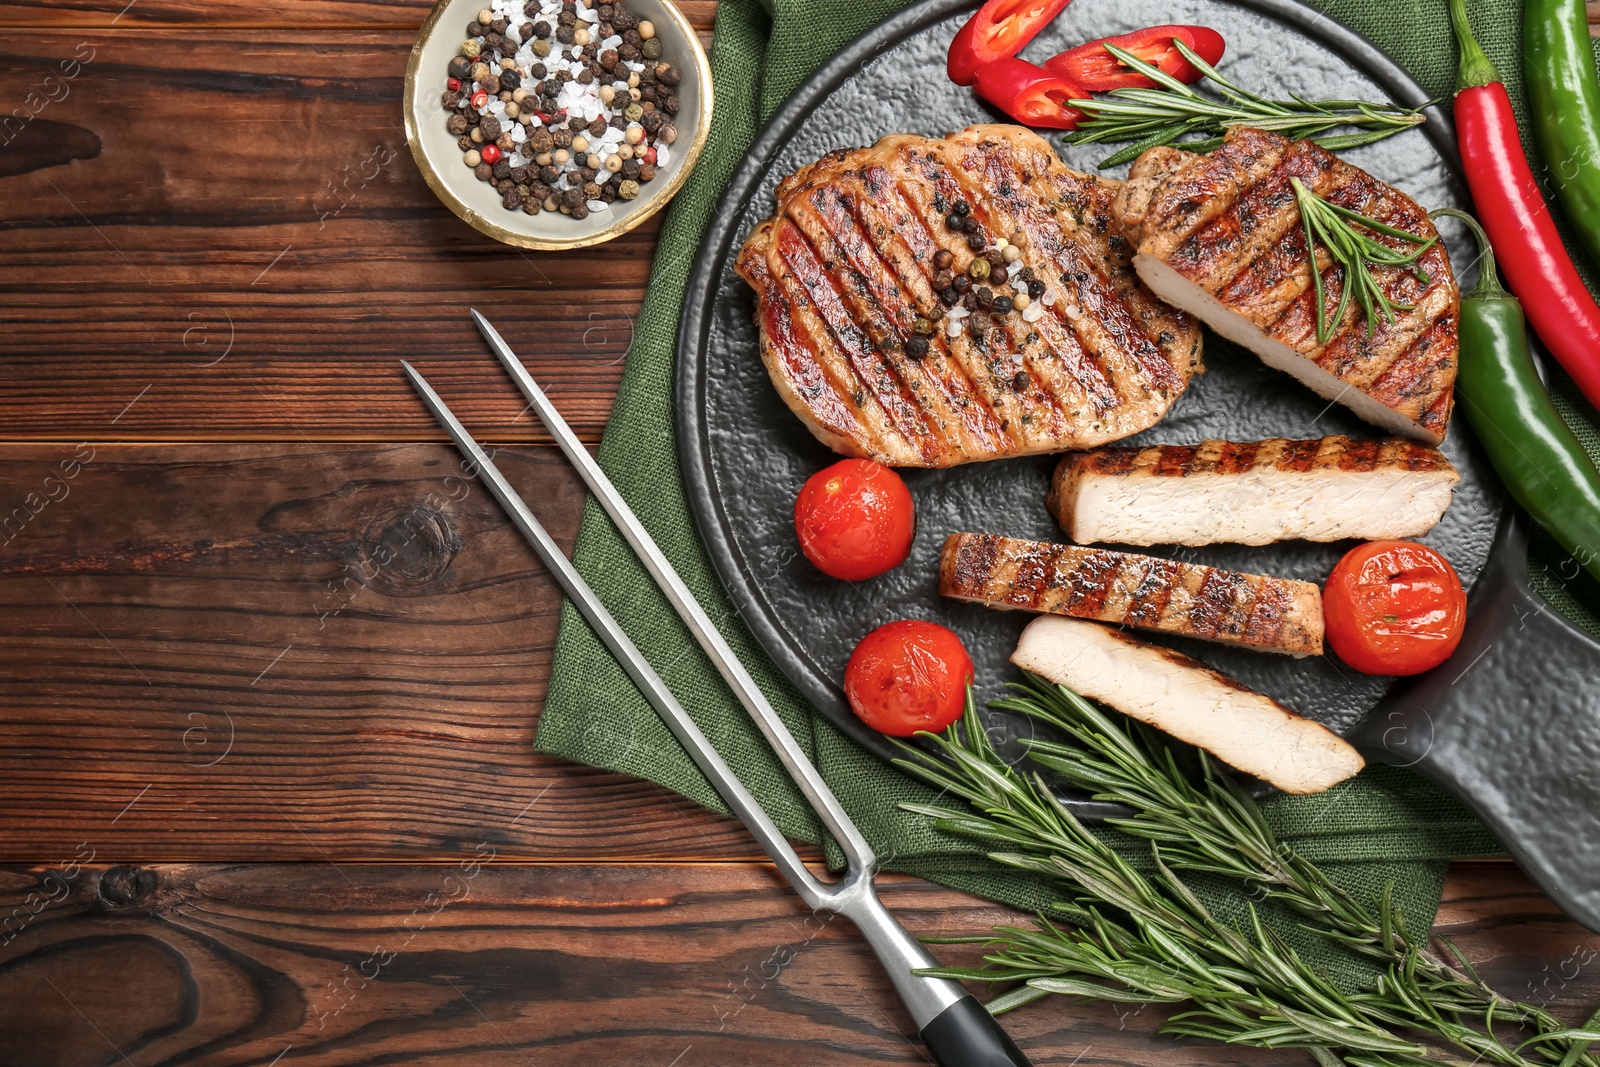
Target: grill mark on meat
<point>873,377</point>
<point>1134,590</point>
<point>1335,452</point>
<point>848,268</point>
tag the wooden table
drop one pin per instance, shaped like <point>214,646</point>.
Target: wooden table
<point>264,802</point>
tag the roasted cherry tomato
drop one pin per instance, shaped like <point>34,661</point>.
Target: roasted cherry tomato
<point>1097,70</point>
<point>855,519</point>
<point>997,30</point>
<point>908,676</point>
<point>1031,95</point>
<point>1394,607</point>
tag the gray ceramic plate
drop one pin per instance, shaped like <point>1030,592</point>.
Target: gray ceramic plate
<point>745,455</point>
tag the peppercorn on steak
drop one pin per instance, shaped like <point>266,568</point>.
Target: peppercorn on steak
<point>899,324</point>
<point>1188,599</point>
<point>1252,494</point>
<point>1220,236</point>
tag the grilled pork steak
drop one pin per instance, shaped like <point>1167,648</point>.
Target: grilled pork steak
<point>1185,698</point>
<point>1220,235</point>
<point>846,267</point>
<point>1252,494</point>
<point>1189,599</point>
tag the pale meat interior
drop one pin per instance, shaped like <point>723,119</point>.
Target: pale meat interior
<point>1245,729</point>
<point>1255,507</point>
<point>1185,295</point>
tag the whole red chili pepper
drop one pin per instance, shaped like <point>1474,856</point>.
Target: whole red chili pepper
<point>1514,212</point>
<point>1092,67</point>
<point>997,30</point>
<point>1031,95</point>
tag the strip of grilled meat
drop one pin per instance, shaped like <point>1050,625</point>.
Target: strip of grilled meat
<point>845,269</point>
<point>1189,599</point>
<point>1252,494</point>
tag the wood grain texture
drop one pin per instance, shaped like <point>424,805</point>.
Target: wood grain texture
<point>207,15</point>
<point>292,652</point>
<point>477,962</point>
<point>233,232</point>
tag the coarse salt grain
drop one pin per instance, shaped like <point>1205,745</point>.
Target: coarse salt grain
<point>610,43</point>
<point>1073,312</point>
<point>596,206</point>
<point>663,157</point>
<point>1033,312</point>
<point>1049,297</point>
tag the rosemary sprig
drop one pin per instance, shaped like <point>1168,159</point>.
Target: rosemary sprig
<point>1148,937</point>
<point>1151,117</point>
<point>1335,228</point>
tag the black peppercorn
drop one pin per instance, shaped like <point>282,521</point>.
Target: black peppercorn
<point>985,296</point>
<point>502,169</point>
<point>917,348</point>
<point>566,18</point>
<point>564,34</point>
<point>1036,288</point>
<point>943,258</point>
<point>490,127</point>
<point>576,123</point>
<point>998,275</point>
<point>961,207</point>
<point>474,28</point>
<point>651,121</point>
<point>510,200</point>
<point>628,53</point>
<point>580,211</point>
<point>955,222</point>
<point>670,104</point>
<point>1019,380</point>
<point>456,124</point>
<point>597,127</point>
<point>510,81</point>
<point>962,283</point>
<point>671,76</point>
<point>549,175</point>
<point>460,68</point>
<point>1002,304</point>
<point>950,296</point>
<point>969,301</point>
<point>540,28</point>
<point>976,242</point>
<point>943,279</point>
<point>994,256</point>
<point>466,144</point>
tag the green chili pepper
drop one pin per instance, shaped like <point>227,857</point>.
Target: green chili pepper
<point>1564,105</point>
<point>1535,454</point>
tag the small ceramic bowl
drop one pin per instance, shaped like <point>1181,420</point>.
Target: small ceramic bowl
<point>477,202</point>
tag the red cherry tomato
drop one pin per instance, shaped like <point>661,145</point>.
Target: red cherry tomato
<point>1097,70</point>
<point>1394,607</point>
<point>491,153</point>
<point>855,519</point>
<point>479,99</point>
<point>908,676</point>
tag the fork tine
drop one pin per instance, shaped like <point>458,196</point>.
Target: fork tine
<point>728,785</point>
<point>789,752</point>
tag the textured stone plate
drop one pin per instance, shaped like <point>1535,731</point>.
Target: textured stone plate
<point>745,455</point>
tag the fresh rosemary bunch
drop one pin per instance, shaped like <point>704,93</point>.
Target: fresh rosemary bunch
<point>1151,117</point>
<point>1336,229</point>
<point>1121,934</point>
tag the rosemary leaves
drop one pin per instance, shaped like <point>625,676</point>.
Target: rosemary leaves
<point>1339,231</point>
<point>1119,933</point>
<point>1151,117</point>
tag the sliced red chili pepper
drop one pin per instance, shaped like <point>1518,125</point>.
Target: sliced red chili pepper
<point>1097,70</point>
<point>1031,95</point>
<point>997,30</point>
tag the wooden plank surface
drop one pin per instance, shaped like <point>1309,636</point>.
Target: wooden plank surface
<point>211,231</point>
<point>477,962</point>
<point>293,652</point>
<point>231,229</point>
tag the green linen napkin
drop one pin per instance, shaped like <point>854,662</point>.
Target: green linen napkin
<point>1385,824</point>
